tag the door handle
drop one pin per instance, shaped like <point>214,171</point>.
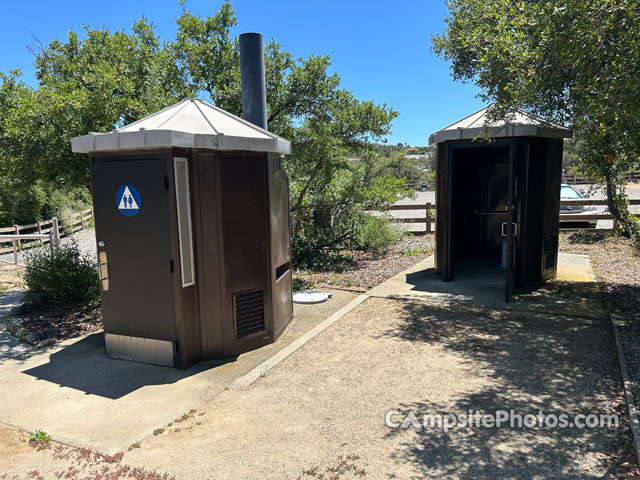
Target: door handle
<point>103,271</point>
<point>504,229</point>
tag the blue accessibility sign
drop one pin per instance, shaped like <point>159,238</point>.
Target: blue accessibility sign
<point>128,200</point>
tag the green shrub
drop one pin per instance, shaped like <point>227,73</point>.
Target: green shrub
<point>377,233</point>
<point>65,277</point>
<point>300,285</point>
<point>308,256</point>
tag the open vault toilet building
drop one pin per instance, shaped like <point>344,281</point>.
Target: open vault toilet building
<point>192,223</point>
<point>498,199</point>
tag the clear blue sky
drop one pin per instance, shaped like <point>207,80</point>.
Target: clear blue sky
<point>380,49</point>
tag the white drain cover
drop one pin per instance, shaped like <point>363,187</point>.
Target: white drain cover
<point>310,298</point>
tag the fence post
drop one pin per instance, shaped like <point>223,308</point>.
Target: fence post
<point>39,227</point>
<point>55,231</point>
<point>16,228</point>
<point>52,243</point>
<point>15,252</point>
<point>428,218</point>
<point>82,220</point>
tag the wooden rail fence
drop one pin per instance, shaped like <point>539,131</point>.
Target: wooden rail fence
<point>41,231</point>
<point>430,184</point>
<point>428,219</point>
<point>583,217</point>
<point>574,179</point>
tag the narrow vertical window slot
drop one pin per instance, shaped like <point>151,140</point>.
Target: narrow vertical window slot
<point>183,208</point>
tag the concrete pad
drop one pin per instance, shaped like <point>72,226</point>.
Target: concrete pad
<point>322,411</point>
<point>246,380</point>
<point>574,292</point>
<point>83,398</point>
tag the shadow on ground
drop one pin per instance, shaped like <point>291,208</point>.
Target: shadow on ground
<point>538,363</point>
<point>83,366</point>
<point>558,296</point>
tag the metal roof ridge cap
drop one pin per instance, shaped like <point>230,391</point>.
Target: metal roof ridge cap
<point>242,120</point>
<point>462,119</point>
<point>178,110</point>
<point>480,117</point>
<point>543,120</point>
<point>154,114</point>
<point>217,130</point>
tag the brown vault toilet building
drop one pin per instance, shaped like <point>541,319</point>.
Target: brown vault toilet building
<point>192,223</point>
<point>498,199</point>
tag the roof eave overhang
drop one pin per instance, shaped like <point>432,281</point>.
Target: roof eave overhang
<point>504,131</point>
<point>142,139</point>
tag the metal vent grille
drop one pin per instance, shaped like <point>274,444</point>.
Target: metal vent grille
<point>550,252</point>
<point>249,313</point>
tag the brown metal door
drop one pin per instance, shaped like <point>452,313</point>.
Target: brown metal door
<point>511,227</point>
<point>447,183</point>
<point>132,229</point>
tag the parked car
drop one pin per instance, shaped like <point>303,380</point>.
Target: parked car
<point>567,192</point>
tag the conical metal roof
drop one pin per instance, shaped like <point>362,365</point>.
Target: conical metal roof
<point>519,124</point>
<point>191,123</point>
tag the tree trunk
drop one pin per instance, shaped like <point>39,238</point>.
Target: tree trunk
<point>618,207</point>
<point>298,202</point>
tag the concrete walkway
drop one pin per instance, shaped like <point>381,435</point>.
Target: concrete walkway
<point>321,412</point>
<point>9,346</point>
<point>574,292</point>
<point>83,398</point>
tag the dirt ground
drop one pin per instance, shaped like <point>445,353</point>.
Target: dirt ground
<point>321,413</point>
<point>360,271</point>
<point>10,279</point>
<point>62,322</point>
<point>616,264</point>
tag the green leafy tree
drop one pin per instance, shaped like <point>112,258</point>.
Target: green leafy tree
<point>102,80</point>
<point>95,83</point>
<point>307,106</point>
<point>573,61</point>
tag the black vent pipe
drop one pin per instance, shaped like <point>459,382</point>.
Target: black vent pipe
<point>254,94</point>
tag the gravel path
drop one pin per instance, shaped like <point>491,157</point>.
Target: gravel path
<point>616,264</point>
<point>323,410</point>
<point>86,240</point>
